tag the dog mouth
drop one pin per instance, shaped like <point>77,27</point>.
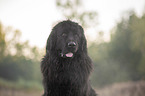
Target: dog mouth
<point>67,55</point>
<point>68,51</point>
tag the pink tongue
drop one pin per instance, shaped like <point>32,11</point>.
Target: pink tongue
<point>69,54</point>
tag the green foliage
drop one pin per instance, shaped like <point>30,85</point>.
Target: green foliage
<point>21,85</point>
<point>106,69</point>
<point>2,42</point>
<point>72,9</point>
<point>122,58</point>
<point>138,39</point>
<point>18,61</point>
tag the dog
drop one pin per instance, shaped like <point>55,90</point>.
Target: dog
<point>66,66</point>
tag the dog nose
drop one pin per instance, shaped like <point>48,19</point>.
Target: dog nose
<point>71,44</point>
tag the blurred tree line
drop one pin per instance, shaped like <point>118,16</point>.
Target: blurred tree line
<point>118,60</point>
<point>18,60</point>
<point>123,57</point>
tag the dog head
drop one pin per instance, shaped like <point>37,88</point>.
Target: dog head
<point>66,39</point>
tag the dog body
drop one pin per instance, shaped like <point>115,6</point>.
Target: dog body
<point>66,66</point>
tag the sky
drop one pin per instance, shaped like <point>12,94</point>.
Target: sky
<point>35,18</point>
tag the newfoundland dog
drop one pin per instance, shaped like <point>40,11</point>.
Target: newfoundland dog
<point>66,67</point>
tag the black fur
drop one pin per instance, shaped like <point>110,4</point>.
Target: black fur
<point>66,76</point>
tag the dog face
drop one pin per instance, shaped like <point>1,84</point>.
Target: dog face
<point>68,39</point>
<point>67,42</point>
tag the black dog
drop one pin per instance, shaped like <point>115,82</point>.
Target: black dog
<point>66,66</point>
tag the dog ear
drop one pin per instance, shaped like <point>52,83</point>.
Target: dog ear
<point>51,41</point>
<point>84,44</point>
<point>49,44</point>
<point>83,40</point>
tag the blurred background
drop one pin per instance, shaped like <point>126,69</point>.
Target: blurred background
<point>115,31</point>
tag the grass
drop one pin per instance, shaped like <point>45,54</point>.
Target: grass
<point>21,85</point>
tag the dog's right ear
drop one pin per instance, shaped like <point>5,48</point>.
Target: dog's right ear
<point>48,44</point>
<point>51,41</point>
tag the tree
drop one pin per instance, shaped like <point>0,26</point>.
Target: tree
<point>138,39</point>
<point>2,42</point>
<point>122,58</point>
<point>17,59</point>
<point>71,9</point>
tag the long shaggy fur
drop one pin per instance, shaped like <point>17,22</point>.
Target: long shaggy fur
<point>66,76</point>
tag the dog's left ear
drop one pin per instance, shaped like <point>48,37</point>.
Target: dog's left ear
<point>84,44</point>
<point>83,40</point>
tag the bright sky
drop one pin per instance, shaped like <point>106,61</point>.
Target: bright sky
<point>35,18</point>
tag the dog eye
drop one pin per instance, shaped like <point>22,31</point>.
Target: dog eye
<point>64,34</point>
